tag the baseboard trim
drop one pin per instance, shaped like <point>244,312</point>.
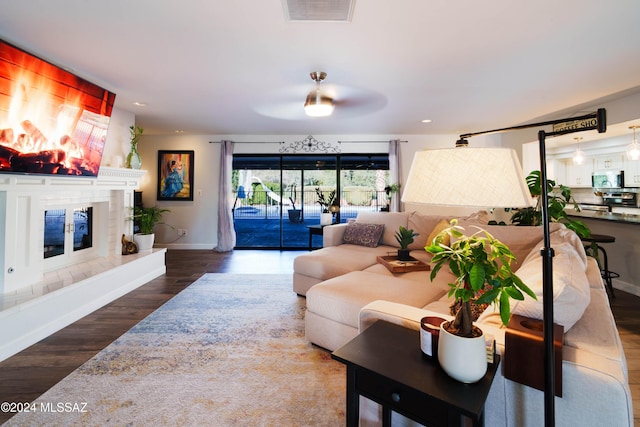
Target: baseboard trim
<point>626,287</point>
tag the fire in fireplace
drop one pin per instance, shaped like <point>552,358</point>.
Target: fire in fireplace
<point>51,121</point>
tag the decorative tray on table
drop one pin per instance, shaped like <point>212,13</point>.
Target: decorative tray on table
<point>394,265</point>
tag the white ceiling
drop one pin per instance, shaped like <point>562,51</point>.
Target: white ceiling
<point>239,67</point>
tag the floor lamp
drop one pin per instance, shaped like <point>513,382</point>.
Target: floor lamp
<point>492,177</point>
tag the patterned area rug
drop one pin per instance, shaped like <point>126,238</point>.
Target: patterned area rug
<point>229,350</point>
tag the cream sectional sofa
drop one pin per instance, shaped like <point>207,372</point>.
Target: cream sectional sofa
<point>347,290</point>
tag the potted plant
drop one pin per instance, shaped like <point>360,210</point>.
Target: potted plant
<point>326,217</point>
<point>294,214</point>
<point>390,190</point>
<point>557,202</point>
<point>133,158</point>
<point>482,266</point>
<point>404,236</point>
<point>146,219</point>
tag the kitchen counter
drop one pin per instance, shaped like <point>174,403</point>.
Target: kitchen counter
<point>606,216</point>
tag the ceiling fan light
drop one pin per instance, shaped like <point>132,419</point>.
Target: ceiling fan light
<point>318,105</point>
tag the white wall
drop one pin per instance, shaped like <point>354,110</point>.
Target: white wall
<point>199,216</point>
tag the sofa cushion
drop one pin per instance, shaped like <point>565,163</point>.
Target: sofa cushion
<point>391,220</point>
<point>571,294</point>
<point>363,234</point>
<point>333,261</point>
<point>341,298</point>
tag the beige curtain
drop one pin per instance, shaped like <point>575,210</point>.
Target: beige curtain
<point>226,232</point>
<point>394,173</point>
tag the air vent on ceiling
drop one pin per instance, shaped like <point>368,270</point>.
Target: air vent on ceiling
<point>318,10</point>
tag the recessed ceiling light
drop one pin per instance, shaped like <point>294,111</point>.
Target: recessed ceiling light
<point>178,131</point>
<point>139,104</point>
<point>426,121</point>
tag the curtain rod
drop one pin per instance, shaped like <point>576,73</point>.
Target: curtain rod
<point>249,142</point>
<point>282,142</point>
<point>368,142</point>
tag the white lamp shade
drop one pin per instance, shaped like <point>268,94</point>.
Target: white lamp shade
<point>474,177</point>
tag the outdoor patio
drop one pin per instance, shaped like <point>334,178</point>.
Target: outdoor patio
<point>260,227</point>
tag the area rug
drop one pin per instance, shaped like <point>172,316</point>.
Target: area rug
<point>229,350</point>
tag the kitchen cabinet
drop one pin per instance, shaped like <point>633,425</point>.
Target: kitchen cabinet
<point>632,173</point>
<point>612,162</point>
<point>578,175</point>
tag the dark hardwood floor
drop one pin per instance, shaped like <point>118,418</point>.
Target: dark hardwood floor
<point>28,374</point>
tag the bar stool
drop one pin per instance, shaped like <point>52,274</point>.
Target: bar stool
<point>594,249</point>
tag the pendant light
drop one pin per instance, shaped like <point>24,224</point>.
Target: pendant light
<point>633,149</point>
<point>578,156</point>
<point>317,104</point>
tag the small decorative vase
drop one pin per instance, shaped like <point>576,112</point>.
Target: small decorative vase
<point>326,218</point>
<point>133,158</point>
<point>463,359</point>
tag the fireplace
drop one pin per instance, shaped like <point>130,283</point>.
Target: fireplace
<point>60,251</point>
<point>58,222</point>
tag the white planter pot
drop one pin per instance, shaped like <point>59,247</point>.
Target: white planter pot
<point>144,241</point>
<point>463,359</point>
<point>326,218</point>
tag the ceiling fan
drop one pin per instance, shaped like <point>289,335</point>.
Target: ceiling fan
<point>326,99</point>
<point>317,103</point>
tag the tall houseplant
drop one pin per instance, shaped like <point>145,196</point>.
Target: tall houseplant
<point>558,200</point>
<point>482,266</point>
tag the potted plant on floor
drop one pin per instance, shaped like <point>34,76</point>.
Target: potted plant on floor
<point>404,237</point>
<point>146,219</point>
<point>482,266</point>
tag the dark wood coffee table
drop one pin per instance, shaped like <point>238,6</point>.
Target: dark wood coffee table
<point>385,364</point>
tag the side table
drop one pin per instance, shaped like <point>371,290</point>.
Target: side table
<point>385,364</point>
<point>316,230</point>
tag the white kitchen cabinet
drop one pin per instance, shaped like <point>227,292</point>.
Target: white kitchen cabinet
<point>612,162</point>
<point>632,173</point>
<point>578,175</point>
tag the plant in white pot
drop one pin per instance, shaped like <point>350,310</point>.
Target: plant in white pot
<point>326,217</point>
<point>146,219</point>
<point>482,266</point>
<point>404,236</point>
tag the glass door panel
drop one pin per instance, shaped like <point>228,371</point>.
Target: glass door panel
<point>257,207</point>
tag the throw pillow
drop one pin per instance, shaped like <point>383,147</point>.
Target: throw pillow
<point>443,224</point>
<point>392,222</point>
<point>571,294</point>
<point>358,233</point>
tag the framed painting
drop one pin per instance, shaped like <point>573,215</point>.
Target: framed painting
<point>175,175</point>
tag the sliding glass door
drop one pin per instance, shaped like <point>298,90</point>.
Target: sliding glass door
<point>276,204</point>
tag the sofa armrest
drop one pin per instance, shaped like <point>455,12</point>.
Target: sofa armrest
<point>393,312</point>
<point>332,234</point>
